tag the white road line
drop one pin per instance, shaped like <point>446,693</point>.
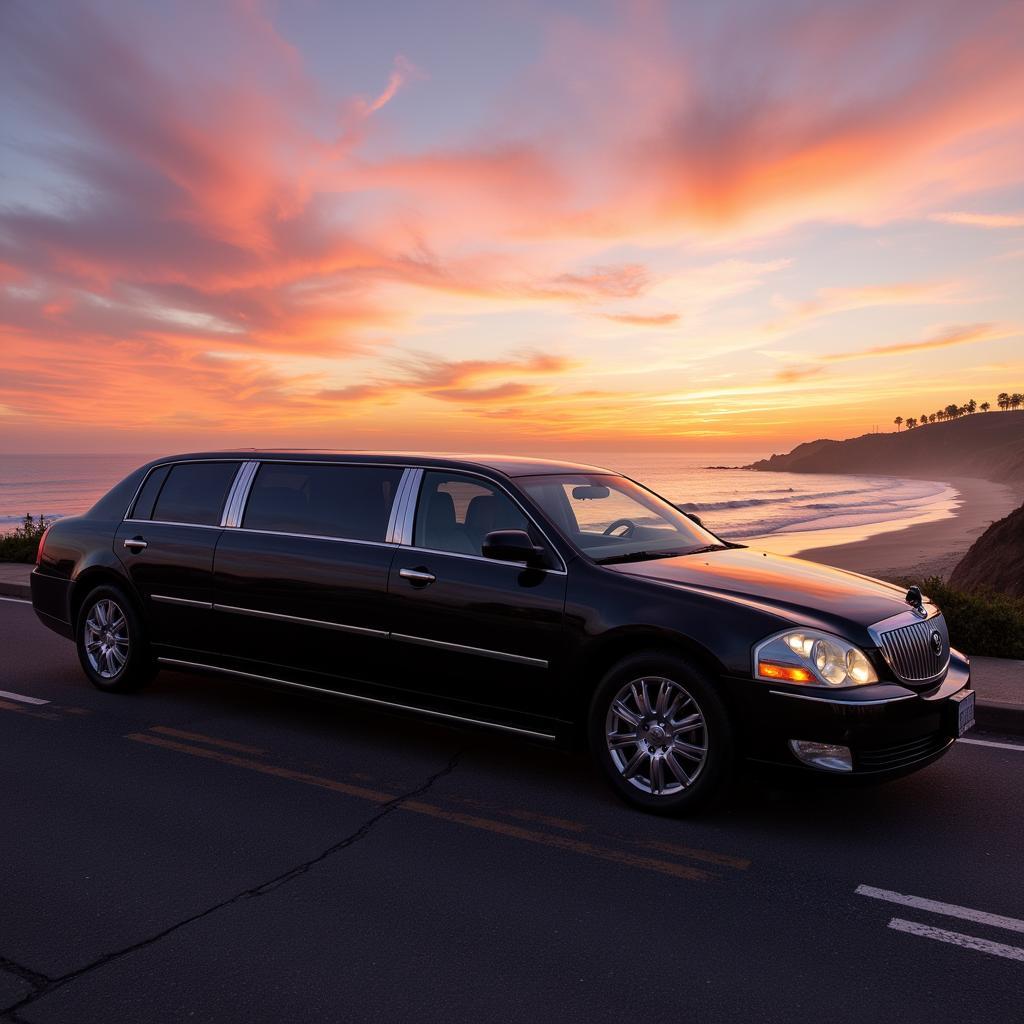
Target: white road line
<point>1011,924</point>
<point>15,600</point>
<point>992,743</point>
<point>4,695</point>
<point>958,939</point>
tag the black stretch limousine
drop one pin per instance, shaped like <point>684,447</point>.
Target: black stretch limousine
<point>548,599</point>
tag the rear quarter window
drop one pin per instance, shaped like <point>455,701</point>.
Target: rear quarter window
<point>143,507</point>
<point>194,492</point>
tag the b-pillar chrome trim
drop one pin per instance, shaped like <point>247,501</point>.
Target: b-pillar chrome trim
<point>403,509</point>
<point>235,505</point>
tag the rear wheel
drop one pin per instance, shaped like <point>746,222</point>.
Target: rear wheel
<point>661,734</point>
<point>111,641</point>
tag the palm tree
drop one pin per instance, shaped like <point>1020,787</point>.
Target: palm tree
<point>1016,399</point>
<point>971,406</point>
<point>952,411</point>
<point>984,407</point>
<point>911,423</point>
<point>931,417</point>
<point>1003,401</point>
<point>899,422</point>
<point>923,418</point>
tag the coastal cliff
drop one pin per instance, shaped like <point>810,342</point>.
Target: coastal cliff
<point>987,445</point>
<point>996,559</point>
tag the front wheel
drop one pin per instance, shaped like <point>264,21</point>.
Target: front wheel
<point>661,734</point>
<point>111,642</point>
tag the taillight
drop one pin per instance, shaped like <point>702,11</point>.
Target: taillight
<point>42,541</point>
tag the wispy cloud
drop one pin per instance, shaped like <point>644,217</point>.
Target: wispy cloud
<point>829,301</point>
<point>642,319</point>
<point>981,220</point>
<point>400,74</point>
<point>963,334</point>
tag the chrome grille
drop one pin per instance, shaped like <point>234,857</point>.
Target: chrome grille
<point>910,653</point>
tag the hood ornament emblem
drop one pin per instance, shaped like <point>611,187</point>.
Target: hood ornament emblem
<point>916,601</point>
<point>936,639</point>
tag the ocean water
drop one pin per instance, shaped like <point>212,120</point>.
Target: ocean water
<point>735,503</point>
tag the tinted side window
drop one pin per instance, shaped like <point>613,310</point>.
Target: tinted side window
<point>195,492</point>
<point>147,496</point>
<point>322,500</point>
<point>455,513</point>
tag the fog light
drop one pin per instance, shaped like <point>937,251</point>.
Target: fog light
<point>830,756</point>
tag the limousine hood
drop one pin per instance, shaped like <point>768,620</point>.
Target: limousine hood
<point>788,585</point>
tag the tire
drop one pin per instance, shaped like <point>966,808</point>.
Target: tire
<point>682,754</point>
<point>111,641</point>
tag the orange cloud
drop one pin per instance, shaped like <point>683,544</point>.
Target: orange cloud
<point>960,335</point>
<point>642,320</point>
<point>982,220</point>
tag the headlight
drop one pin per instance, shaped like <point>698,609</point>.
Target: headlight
<point>812,657</point>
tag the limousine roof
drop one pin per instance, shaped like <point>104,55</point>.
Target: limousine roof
<point>507,465</point>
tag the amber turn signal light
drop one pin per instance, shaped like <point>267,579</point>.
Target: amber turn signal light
<point>788,673</point>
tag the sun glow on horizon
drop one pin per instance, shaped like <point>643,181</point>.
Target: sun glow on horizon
<point>526,228</point>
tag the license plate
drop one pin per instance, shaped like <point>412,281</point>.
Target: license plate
<point>964,702</point>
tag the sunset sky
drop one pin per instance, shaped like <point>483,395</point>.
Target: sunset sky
<point>506,226</point>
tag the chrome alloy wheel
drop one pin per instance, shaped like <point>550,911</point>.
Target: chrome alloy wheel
<point>656,735</point>
<point>106,638</point>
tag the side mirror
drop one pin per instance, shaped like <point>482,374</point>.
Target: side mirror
<point>512,546</point>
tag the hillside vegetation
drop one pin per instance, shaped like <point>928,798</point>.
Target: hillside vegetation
<point>980,622</point>
<point>995,561</point>
<point>987,445</point>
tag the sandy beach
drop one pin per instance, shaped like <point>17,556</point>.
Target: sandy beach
<point>922,549</point>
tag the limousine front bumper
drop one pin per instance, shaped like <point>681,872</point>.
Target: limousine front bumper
<point>889,729</point>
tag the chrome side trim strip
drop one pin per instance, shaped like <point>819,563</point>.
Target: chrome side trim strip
<point>166,522</point>
<point>281,617</point>
<point>165,599</point>
<point>844,703</point>
<point>341,627</point>
<point>519,659</point>
<point>356,696</point>
<point>313,536</point>
<point>521,566</point>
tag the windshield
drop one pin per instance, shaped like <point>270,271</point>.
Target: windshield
<point>613,519</point>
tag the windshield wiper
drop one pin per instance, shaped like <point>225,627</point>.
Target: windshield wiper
<point>637,556</point>
<point>646,556</point>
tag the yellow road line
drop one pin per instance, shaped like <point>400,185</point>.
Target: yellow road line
<point>183,734</point>
<point>23,709</point>
<point>559,842</point>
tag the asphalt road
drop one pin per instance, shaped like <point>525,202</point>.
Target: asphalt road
<point>208,851</point>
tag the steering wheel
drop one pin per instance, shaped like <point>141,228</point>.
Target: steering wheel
<point>627,523</point>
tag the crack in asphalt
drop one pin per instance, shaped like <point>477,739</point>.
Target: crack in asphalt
<point>42,985</point>
<point>34,978</point>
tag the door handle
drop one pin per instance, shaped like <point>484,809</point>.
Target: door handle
<point>417,576</point>
<point>136,544</point>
